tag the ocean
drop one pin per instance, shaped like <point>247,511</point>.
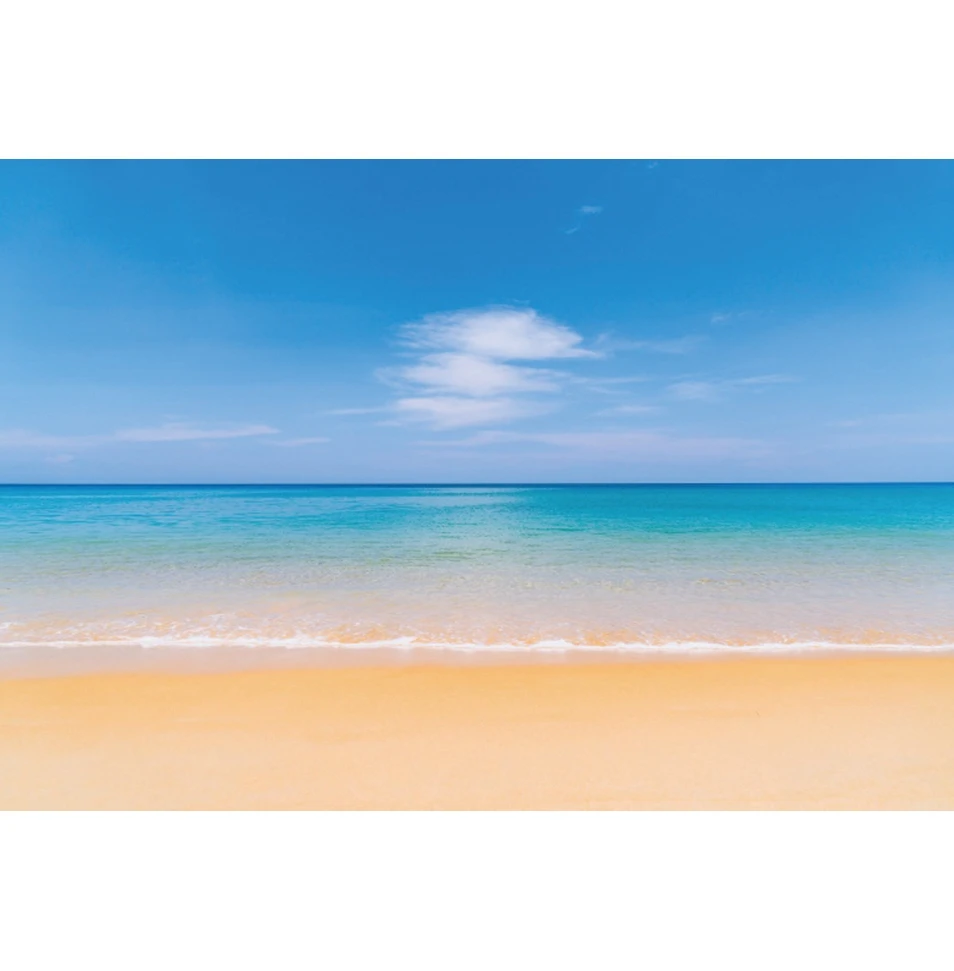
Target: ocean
<point>641,568</point>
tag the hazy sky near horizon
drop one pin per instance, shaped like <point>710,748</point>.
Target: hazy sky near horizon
<point>476,321</point>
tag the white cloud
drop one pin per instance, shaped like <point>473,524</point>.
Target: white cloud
<point>639,445</point>
<point>676,345</point>
<point>713,390</point>
<point>623,410</point>
<point>502,333</point>
<point>607,386</point>
<point>187,432</point>
<point>762,379</point>
<point>169,432</point>
<point>695,390</point>
<point>445,411</point>
<point>653,444</point>
<point>469,374</point>
<point>297,442</point>
<point>355,411</point>
<point>895,428</point>
<point>21,438</point>
<point>465,372</point>
<point>726,318</point>
<point>582,213</point>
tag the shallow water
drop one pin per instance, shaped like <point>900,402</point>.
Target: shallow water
<point>632,568</point>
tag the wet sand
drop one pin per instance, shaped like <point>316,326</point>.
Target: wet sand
<point>857,732</point>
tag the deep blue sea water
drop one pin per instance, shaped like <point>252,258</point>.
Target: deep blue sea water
<point>627,567</point>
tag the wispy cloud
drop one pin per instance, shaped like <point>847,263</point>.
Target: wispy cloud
<point>22,438</point>
<point>879,440</point>
<point>356,411</point>
<point>622,411</point>
<point>465,372</point>
<point>650,445</point>
<point>187,432</point>
<point>608,386</point>
<point>678,345</point>
<point>695,390</point>
<point>894,428</point>
<point>447,411</point>
<point>168,432</point>
<point>298,442</point>
<point>582,214</point>
<point>761,380</point>
<point>728,317</point>
<point>716,389</point>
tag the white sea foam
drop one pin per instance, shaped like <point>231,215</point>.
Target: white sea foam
<point>410,644</point>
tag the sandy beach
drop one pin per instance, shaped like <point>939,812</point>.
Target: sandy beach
<point>742,733</point>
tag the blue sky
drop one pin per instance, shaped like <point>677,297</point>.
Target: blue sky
<point>476,321</point>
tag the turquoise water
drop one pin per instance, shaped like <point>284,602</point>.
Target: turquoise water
<point>551,567</point>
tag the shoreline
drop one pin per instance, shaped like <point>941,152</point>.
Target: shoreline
<point>860,731</point>
<point>52,659</point>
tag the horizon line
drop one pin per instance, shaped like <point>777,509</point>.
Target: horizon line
<point>451,485</point>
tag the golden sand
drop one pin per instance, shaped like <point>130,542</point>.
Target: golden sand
<point>746,733</point>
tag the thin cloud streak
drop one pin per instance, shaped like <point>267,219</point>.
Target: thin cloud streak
<point>356,411</point>
<point>186,432</point>
<point>583,213</point>
<point>714,390</point>
<point>646,445</point>
<point>626,410</point>
<point>677,345</point>
<point>169,432</point>
<point>762,379</point>
<point>22,438</point>
<point>607,386</point>
<point>730,317</point>
<point>695,390</point>
<point>299,442</point>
